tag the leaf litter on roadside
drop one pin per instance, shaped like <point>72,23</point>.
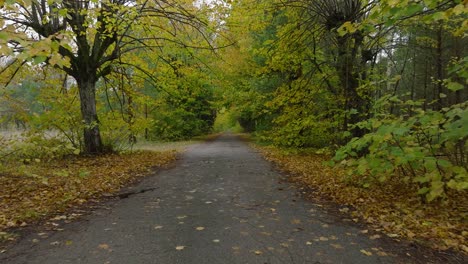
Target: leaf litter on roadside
<point>392,208</point>
<point>39,190</point>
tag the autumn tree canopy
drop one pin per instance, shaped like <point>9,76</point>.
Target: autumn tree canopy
<point>85,39</point>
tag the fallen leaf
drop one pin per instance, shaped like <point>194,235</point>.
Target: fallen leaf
<point>308,243</point>
<point>295,221</point>
<point>344,210</point>
<point>258,252</point>
<point>216,240</point>
<point>464,248</point>
<point>375,237</point>
<point>337,246</point>
<point>200,228</point>
<point>179,248</point>
<point>158,227</point>
<point>365,252</point>
<point>323,238</point>
<point>103,246</point>
<point>59,217</point>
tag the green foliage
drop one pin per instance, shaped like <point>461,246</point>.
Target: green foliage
<point>227,120</point>
<point>117,134</point>
<point>187,113</point>
<point>428,148</point>
<point>36,148</point>
<point>60,115</point>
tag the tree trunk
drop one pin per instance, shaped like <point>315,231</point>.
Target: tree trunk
<point>146,120</point>
<point>348,75</point>
<point>440,74</point>
<point>92,136</point>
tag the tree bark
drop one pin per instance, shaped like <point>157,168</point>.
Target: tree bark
<point>440,70</point>
<point>92,136</point>
<point>348,75</point>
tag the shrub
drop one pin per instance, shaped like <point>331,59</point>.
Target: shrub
<point>425,147</point>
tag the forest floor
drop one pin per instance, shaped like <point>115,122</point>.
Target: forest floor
<point>391,208</point>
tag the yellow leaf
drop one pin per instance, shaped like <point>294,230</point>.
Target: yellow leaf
<point>346,28</point>
<point>464,248</point>
<point>179,248</point>
<point>104,246</point>
<point>337,246</point>
<point>365,252</point>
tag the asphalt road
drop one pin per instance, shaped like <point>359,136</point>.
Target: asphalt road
<point>221,203</point>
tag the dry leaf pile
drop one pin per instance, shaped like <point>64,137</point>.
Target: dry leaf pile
<point>391,207</point>
<point>34,191</point>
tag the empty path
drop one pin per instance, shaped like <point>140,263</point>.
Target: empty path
<point>221,203</point>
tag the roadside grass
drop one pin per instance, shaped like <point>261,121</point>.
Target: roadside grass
<point>37,191</point>
<point>164,146</point>
<point>392,208</point>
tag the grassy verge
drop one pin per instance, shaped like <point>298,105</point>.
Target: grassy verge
<point>392,208</point>
<point>40,190</point>
<point>165,146</point>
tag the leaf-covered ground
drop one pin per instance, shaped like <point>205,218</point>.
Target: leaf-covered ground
<point>390,208</point>
<point>31,192</point>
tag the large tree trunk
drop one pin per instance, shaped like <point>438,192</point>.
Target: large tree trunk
<point>92,137</point>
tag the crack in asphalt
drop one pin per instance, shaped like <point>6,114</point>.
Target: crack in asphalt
<point>126,195</point>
